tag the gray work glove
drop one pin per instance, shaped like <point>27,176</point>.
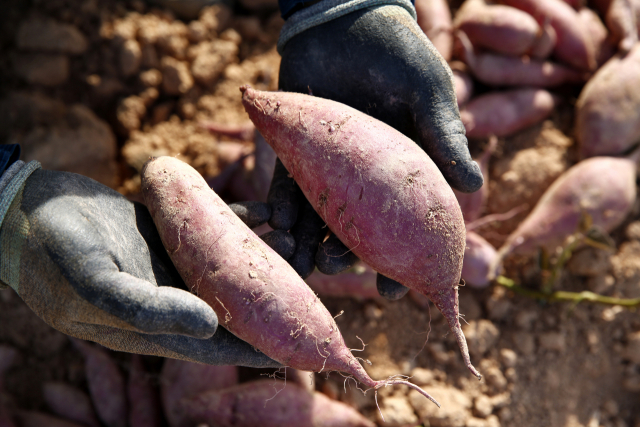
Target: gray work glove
<point>91,264</point>
<point>372,56</point>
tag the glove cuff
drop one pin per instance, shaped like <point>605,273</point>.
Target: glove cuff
<point>12,181</point>
<point>328,10</point>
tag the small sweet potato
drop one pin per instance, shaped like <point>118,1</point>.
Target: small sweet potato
<point>434,17</point>
<point>353,284</point>
<point>269,403</point>
<point>472,204</point>
<point>500,28</point>
<point>505,113</point>
<point>479,257</point>
<point>377,191</point>
<point>462,82</point>
<point>604,188</point>
<point>257,295</point>
<point>180,379</point>
<point>70,403</point>
<point>573,46</point>
<point>502,70</point>
<point>608,109</point>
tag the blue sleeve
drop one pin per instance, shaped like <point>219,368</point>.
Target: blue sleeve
<point>287,7</point>
<point>9,153</point>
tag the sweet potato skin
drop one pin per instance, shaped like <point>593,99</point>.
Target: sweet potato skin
<point>602,187</point>
<point>504,113</point>
<point>434,18</point>
<point>376,189</point>
<point>479,256</point>
<point>258,297</point>
<point>269,403</point>
<point>608,109</point>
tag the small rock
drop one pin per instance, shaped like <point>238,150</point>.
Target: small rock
<point>176,79</point>
<point>197,31</point>
<point>481,336</point>
<point>493,375</point>
<point>483,406</point>
<point>498,308</point>
<point>631,351</point>
<point>151,78</point>
<point>525,343</point>
<point>421,376</point>
<point>554,341</point>
<point>130,111</point>
<point>161,112</point>
<point>130,58</point>
<point>149,95</point>
<point>601,284</point>
<point>476,422</point>
<point>47,35</point>
<point>493,421</point>
<point>41,68</point>
<point>633,231</point>
<point>589,262</point>
<point>397,412</point>
<point>439,352</point>
<point>508,357</point>
<point>149,57</point>
<point>216,18</point>
<point>455,410</point>
<point>526,318</point>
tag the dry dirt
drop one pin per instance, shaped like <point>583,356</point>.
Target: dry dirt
<point>98,87</point>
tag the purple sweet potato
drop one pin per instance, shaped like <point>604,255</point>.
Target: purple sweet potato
<point>180,379</point>
<point>608,109</point>
<point>269,403</point>
<point>38,419</point>
<point>462,82</point>
<point>622,20</point>
<point>434,17</point>
<point>500,28</point>
<point>144,402</point>
<point>472,204</point>
<point>377,191</point>
<point>257,295</point>
<point>598,34</point>
<point>106,384</point>
<point>545,43</point>
<point>602,187</point>
<point>573,46</point>
<point>70,403</point>
<point>505,113</point>
<point>479,257</point>
<point>501,70</point>
<point>353,284</point>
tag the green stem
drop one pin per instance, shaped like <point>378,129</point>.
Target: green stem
<point>567,296</point>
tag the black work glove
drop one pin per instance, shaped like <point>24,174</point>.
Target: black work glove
<point>375,59</point>
<point>91,264</point>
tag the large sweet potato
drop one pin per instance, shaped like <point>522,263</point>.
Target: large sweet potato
<point>376,189</point>
<point>257,295</point>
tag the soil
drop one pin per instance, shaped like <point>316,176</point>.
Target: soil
<point>98,87</point>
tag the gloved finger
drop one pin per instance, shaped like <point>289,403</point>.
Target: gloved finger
<point>252,213</point>
<point>334,257</point>
<point>284,198</point>
<point>389,288</point>
<point>146,307</point>
<point>280,241</point>
<point>308,232</point>
<point>223,348</point>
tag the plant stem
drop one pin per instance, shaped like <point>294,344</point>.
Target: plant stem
<point>567,296</point>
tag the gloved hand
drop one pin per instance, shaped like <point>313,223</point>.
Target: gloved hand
<point>91,264</point>
<point>372,56</point>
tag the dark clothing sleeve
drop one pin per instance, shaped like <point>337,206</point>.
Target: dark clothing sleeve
<point>9,153</point>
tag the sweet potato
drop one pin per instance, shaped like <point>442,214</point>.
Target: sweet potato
<point>257,295</point>
<point>472,204</point>
<point>573,46</point>
<point>598,35</point>
<point>180,379</point>
<point>604,188</point>
<point>505,113</point>
<point>106,384</point>
<point>479,257</point>
<point>501,70</point>
<point>269,403</point>
<point>608,109</point>
<point>462,82</point>
<point>500,28</point>
<point>144,402</point>
<point>545,43</point>
<point>39,419</point>
<point>434,17</point>
<point>356,284</point>
<point>622,20</point>
<point>70,403</point>
<point>381,194</point>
